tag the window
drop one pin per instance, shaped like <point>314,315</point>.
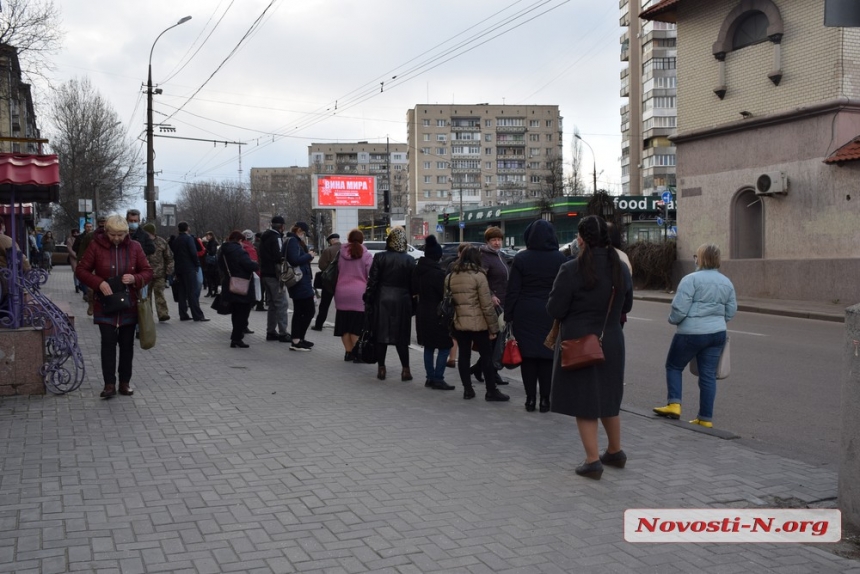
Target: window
<point>488,137</point>
<point>662,102</point>
<point>752,30</point>
<point>533,151</point>
<point>535,179</point>
<point>426,137</point>
<point>549,123</point>
<point>428,179</point>
<point>662,160</point>
<point>441,179</point>
<point>466,164</point>
<point>329,157</point>
<point>488,165</point>
<point>426,165</point>
<point>441,137</point>
<point>534,137</point>
<point>549,137</point>
<point>441,193</point>
<point>441,151</point>
<point>329,168</point>
<point>426,123</point>
<point>425,150</point>
<point>550,151</point>
<point>397,156</point>
<point>488,123</point>
<point>534,123</point>
<point>488,179</point>
<point>397,167</point>
<point>488,151</point>
<point>510,122</point>
<point>441,123</point>
<point>427,194</point>
<point>534,165</point>
<point>668,63</point>
<point>441,165</point>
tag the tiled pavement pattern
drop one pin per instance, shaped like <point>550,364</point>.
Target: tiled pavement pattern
<point>265,460</point>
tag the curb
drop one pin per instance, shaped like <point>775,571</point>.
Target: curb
<point>751,308</point>
<point>714,432</point>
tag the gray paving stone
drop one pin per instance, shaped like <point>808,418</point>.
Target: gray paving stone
<point>265,461</point>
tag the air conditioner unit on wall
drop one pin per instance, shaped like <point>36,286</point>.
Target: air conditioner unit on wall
<point>771,183</point>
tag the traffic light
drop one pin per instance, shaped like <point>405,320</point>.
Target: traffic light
<point>665,211</point>
<point>446,218</point>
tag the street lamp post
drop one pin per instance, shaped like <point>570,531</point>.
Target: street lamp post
<point>150,153</point>
<point>593,156</point>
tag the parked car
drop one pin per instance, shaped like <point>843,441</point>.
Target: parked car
<point>377,246</point>
<point>60,256</point>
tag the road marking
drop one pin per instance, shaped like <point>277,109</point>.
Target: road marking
<point>638,318</point>
<point>748,333</point>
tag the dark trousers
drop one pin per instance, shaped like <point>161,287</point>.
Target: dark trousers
<point>188,295</point>
<point>239,313</point>
<point>303,314</point>
<point>322,312</point>
<point>402,353</point>
<point>111,337</point>
<point>485,350</point>
<point>536,371</point>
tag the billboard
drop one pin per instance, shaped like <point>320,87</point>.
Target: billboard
<point>347,191</point>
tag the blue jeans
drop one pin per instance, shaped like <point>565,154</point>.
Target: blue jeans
<point>435,372</point>
<point>706,349</point>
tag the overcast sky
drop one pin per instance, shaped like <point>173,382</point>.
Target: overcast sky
<point>277,92</point>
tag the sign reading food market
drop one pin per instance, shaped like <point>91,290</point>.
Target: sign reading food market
<point>348,191</point>
<point>637,203</point>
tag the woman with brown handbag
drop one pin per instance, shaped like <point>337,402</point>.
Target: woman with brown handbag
<point>588,297</point>
<point>236,266</point>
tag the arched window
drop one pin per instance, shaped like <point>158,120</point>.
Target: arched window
<point>752,30</point>
<point>747,226</point>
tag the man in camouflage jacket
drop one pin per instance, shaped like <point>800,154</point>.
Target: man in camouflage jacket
<point>162,267</point>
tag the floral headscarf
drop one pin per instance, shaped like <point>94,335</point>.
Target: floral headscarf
<point>396,240</point>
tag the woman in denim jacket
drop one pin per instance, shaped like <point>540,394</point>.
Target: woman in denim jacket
<point>704,303</point>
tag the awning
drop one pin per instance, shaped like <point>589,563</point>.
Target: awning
<point>848,152</point>
<point>32,178</point>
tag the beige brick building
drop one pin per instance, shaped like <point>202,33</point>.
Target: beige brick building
<point>648,157</point>
<point>765,89</point>
<point>480,154</point>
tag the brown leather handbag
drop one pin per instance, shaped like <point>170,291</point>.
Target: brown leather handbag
<point>585,351</point>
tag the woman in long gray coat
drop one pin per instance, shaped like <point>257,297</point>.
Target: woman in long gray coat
<point>580,299</point>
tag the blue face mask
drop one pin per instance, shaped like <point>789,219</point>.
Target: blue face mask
<point>133,226</point>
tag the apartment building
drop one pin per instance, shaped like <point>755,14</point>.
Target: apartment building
<point>364,158</point>
<point>650,116</point>
<point>481,154</point>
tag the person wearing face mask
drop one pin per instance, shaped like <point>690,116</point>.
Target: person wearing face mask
<point>113,258</point>
<point>136,232</point>
<point>297,254</point>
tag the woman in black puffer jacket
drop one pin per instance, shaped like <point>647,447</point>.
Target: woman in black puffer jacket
<point>234,261</point>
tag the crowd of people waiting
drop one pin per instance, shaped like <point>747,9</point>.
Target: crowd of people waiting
<point>547,297</point>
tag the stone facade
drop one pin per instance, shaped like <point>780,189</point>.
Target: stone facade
<point>800,245</point>
<point>21,358</point>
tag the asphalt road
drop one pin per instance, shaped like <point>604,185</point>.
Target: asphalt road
<point>783,395</point>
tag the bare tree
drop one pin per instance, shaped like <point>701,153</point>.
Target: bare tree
<point>219,207</point>
<point>575,182</point>
<point>33,27</point>
<point>97,160</point>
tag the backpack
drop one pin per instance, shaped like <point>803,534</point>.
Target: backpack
<point>445,309</point>
<point>328,277</point>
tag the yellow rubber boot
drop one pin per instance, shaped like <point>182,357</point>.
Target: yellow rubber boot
<point>706,424</point>
<point>670,411</point>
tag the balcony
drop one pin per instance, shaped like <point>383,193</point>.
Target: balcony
<point>500,143</point>
<point>510,129</point>
<point>476,127</point>
<point>466,170</point>
<point>511,170</point>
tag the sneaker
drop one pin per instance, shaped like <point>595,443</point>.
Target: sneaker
<point>272,337</point>
<point>308,343</point>
<point>300,346</point>
<point>315,328</point>
<point>285,338</point>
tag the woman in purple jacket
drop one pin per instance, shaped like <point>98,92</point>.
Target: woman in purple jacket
<point>353,267</point>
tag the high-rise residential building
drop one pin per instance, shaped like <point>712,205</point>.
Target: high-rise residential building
<point>473,155</point>
<point>387,161</point>
<point>650,116</point>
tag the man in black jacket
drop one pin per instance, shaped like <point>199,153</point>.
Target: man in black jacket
<point>185,264</point>
<point>271,258</point>
<point>136,232</point>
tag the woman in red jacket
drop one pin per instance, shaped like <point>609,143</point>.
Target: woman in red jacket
<point>113,255</point>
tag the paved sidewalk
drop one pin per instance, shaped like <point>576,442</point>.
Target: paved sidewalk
<point>818,310</point>
<point>266,460</point>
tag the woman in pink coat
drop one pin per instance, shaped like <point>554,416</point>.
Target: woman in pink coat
<point>353,266</point>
